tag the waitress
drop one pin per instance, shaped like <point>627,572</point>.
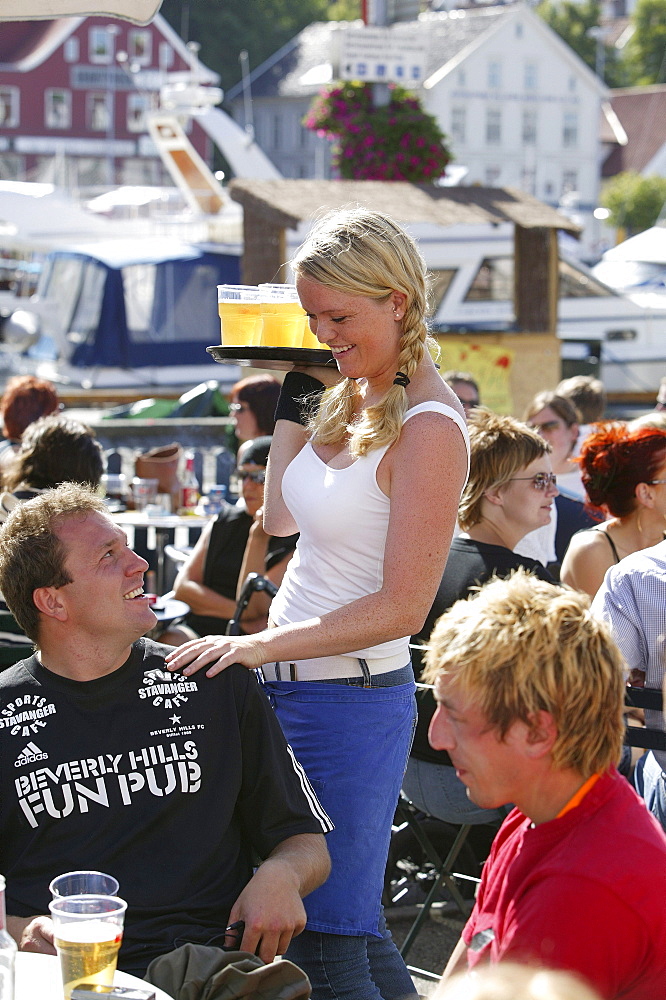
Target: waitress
<point>370,472</point>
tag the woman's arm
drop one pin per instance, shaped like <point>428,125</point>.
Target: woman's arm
<point>254,561</point>
<point>288,440</point>
<point>428,467</point>
<point>189,586</point>
<point>586,561</point>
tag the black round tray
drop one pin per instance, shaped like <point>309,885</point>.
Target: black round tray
<point>276,358</point>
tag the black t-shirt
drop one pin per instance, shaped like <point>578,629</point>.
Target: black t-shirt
<point>226,548</point>
<point>469,564</point>
<point>173,785</point>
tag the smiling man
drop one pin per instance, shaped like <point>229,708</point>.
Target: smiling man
<point>176,786</point>
<point>529,691</point>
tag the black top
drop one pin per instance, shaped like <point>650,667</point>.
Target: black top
<point>173,785</point>
<point>226,548</point>
<point>469,564</point>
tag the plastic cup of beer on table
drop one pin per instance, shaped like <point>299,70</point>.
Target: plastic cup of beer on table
<point>84,884</point>
<point>144,492</point>
<point>240,315</point>
<point>283,315</point>
<point>87,931</point>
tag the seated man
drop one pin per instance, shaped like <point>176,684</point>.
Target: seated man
<point>530,695</point>
<point>178,787</point>
<point>631,601</point>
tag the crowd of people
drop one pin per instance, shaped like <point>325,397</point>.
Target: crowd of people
<point>391,508</point>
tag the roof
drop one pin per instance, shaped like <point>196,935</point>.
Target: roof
<point>139,11</point>
<point>642,114</point>
<point>445,34</point>
<point>288,202</point>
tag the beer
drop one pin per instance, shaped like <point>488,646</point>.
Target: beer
<point>240,315</point>
<point>87,952</point>
<point>284,324</point>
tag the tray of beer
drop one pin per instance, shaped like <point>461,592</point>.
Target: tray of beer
<point>275,358</point>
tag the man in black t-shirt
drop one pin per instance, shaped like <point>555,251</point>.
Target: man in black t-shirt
<point>177,786</point>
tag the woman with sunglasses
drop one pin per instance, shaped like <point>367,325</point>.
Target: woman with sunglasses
<point>232,545</point>
<point>624,473</point>
<point>510,492</point>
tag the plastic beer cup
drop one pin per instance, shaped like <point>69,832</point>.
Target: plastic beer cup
<point>83,884</point>
<point>87,932</point>
<point>240,315</point>
<point>283,316</point>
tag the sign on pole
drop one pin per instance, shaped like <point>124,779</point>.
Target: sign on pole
<point>382,55</point>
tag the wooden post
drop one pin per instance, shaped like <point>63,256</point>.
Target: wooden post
<point>264,249</point>
<point>536,279</point>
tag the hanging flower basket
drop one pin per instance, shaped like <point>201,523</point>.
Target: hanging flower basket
<point>397,142</point>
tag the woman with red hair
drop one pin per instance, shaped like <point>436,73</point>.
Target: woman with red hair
<point>624,474</point>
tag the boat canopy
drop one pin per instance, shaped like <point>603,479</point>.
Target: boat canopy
<point>133,304</point>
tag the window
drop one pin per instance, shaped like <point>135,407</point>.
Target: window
<point>570,129</point>
<point>462,78</point>
<point>137,105</point>
<point>571,84</point>
<point>531,76</point>
<point>493,126</point>
<point>9,107</point>
<point>71,49</point>
<point>575,284</point>
<point>140,47</point>
<point>493,282</point>
<point>569,181</point>
<point>441,281</point>
<point>492,176</point>
<point>99,116</point>
<point>12,167</point>
<point>529,131</point>
<point>494,74</point>
<point>100,45</point>
<point>57,108</point>
<point>458,124</point>
<point>277,131</point>
<point>166,56</point>
<point>528,180</point>
<point>548,189</point>
<point>518,30</point>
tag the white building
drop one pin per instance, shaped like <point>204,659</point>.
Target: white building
<point>519,107</point>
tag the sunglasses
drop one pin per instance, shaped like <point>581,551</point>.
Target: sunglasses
<point>238,408</point>
<point>254,477</point>
<point>541,481</point>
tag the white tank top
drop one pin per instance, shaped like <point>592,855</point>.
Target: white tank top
<point>342,516</point>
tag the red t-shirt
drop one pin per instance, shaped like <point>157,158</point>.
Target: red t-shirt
<point>584,892</point>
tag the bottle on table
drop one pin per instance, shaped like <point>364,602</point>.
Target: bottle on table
<point>7,951</point>
<point>189,486</point>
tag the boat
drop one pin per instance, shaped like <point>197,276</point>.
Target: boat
<point>133,314</point>
<point>637,267</point>
<point>603,331</point>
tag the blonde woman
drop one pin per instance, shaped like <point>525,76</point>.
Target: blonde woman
<point>372,482</point>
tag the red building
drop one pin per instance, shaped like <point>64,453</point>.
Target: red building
<point>74,93</point>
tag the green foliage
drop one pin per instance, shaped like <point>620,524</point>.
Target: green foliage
<point>572,22</point>
<point>635,202</point>
<point>397,142</point>
<point>344,10</point>
<point>646,51</point>
<point>226,27</point>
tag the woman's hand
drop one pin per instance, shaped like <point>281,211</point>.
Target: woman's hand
<point>217,652</point>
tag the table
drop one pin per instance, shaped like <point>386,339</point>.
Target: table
<point>38,978</point>
<point>162,525</point>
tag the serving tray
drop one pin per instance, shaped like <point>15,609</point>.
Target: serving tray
<point>275,358</point>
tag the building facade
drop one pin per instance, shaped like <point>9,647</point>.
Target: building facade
<point>519,107</point>
<point>74,94</point>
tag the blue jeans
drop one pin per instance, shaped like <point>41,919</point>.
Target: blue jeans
<point>650,783</point>
<point>437,790</point>
<point>346,967</point>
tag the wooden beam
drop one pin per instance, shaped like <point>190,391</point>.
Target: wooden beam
<point>263,251</point>
<point>535,278</point>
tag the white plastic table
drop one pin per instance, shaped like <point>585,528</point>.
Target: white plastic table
<point>38,978</point>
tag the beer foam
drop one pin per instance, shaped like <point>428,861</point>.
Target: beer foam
<point>88,932</point>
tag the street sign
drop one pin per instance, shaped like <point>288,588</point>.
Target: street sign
<point>382,55</point>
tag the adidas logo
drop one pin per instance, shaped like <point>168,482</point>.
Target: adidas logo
<point>29,755</point>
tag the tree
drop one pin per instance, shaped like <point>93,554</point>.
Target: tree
<point>225,27</point>
<point>573,22</point>
<point>646,51</point>
<point>635,202</point>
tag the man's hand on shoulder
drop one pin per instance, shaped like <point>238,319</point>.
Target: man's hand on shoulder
<point>32,933</point>
<point>271,904</point>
